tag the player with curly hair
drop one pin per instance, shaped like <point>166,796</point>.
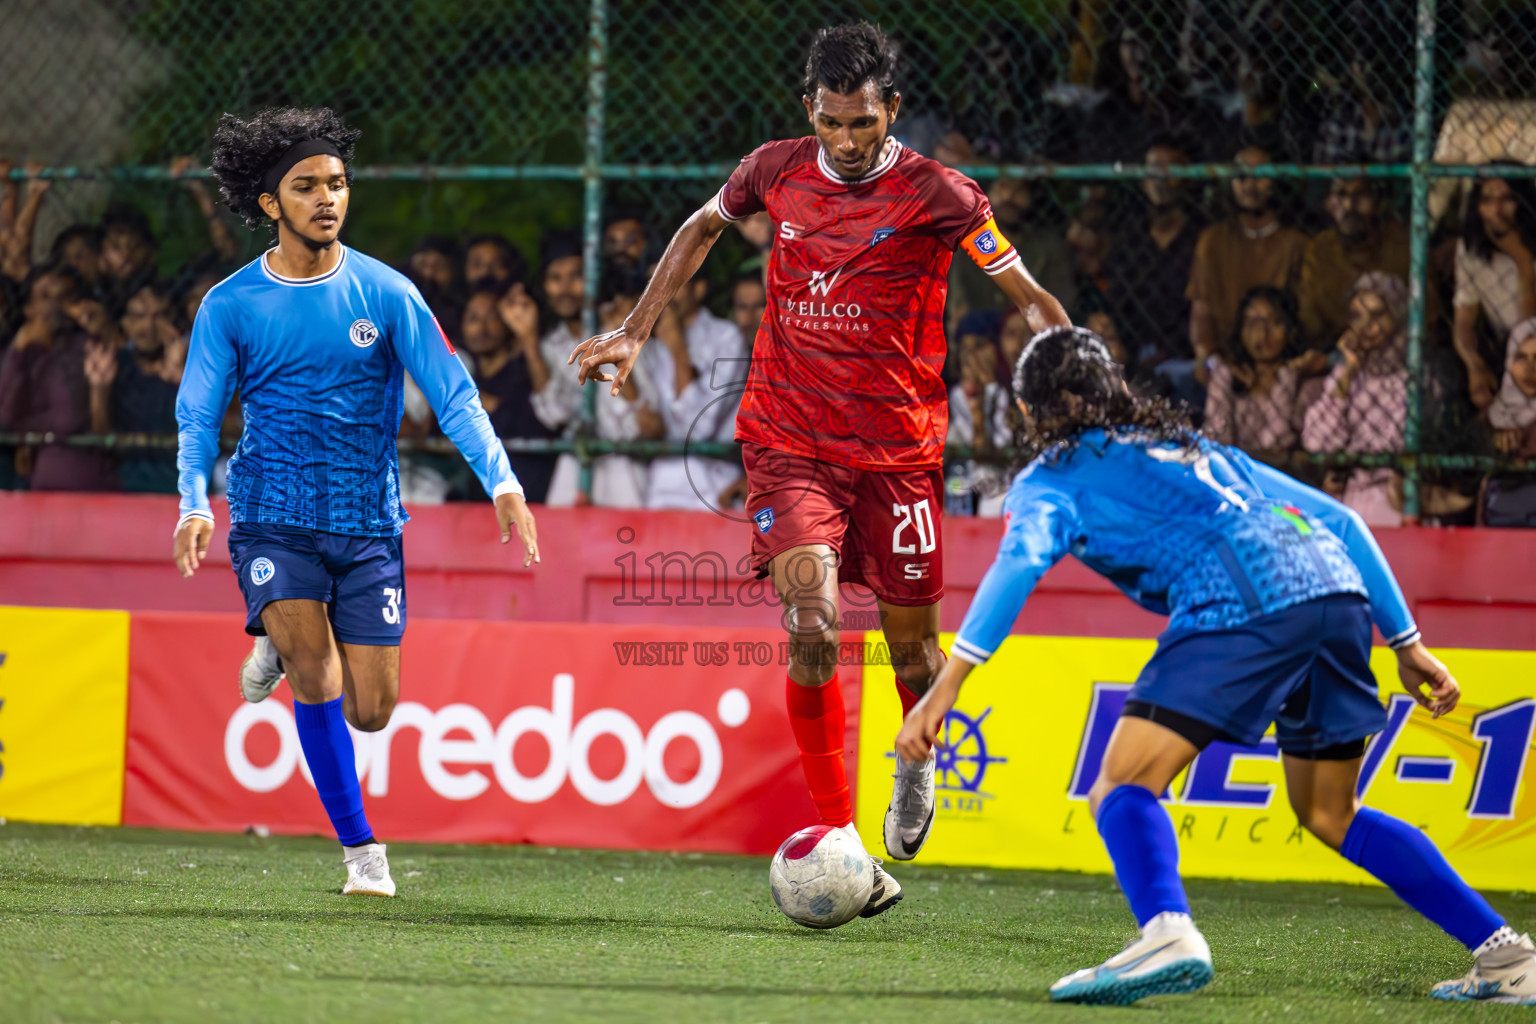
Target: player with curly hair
<point>1271,589</point>
<point>316,338</point>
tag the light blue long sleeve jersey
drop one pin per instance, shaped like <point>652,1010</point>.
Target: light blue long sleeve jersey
<point>1202,534</point>
<point>319,364</point>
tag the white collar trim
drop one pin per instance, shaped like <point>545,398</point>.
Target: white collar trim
<point>301,282</point>
<point>830,173</point>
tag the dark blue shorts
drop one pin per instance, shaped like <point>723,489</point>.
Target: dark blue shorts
<point>362,579</point>
<point>1306,668</point>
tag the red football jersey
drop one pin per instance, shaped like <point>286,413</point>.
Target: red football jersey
<point>846,366</point>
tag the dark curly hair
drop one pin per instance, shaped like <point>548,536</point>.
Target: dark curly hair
<point>1070,383</point>
<point>845,57</point>
<point>244,150</point>
<point>1283,302</point>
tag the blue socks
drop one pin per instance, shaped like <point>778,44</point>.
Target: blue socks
<point>1141,842</point>
<point>1415,869</point>
<point>328,752</point>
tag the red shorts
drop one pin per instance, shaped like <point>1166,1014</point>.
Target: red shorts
<point>885,527</point>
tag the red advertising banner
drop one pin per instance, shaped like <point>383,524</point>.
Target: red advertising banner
<point>563,735</point>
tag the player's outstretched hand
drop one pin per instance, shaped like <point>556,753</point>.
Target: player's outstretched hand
<point>192,537</point>
<point>512,511</point>
<point>619,347</point>
<point>924,724</point>
<point>1418,668</point>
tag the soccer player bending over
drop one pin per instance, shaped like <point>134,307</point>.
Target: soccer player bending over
<point>315,337</point>
<point>844,414</point>
<point>1271,588</point>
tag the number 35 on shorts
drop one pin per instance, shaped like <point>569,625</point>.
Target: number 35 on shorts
<point>391,607</point>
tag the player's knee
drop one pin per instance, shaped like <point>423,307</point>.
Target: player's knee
<point>1102,787</point>
<point>1328,824</point>
<point>371,715</point>
<point>311,677</point>
<point>376,720</point>
<point>814,652</point>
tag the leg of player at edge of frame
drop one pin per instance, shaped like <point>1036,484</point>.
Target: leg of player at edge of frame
<point>335,684</point>
<point>1171,955</point>
<point>912,633</point>
<point>805,578</point>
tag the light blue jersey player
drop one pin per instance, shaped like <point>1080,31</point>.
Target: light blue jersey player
<point>1271,589</point>
<point>315,338</point>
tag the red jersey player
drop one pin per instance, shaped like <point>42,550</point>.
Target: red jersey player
<point>844,415</point>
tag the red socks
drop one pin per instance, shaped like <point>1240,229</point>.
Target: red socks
<point>818,718</point>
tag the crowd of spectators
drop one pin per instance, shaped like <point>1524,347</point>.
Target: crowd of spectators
<point>1274,309</point>
<point>1281,324</point>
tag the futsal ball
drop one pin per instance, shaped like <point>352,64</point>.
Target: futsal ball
<point>821,877</point>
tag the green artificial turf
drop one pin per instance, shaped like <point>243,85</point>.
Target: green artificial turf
<point>130,925</point>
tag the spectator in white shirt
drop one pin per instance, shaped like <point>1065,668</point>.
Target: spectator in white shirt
<point>618,481</point>
<point>697,363</point>
<point>1495,275</point>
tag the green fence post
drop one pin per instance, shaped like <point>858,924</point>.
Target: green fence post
<point>592,218</point>
<point>1418,258</point>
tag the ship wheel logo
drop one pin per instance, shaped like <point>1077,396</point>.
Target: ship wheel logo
<point>961,757</point>
<point>961,763</point>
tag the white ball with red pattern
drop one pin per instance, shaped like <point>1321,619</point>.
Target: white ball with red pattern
<point>821,877</point>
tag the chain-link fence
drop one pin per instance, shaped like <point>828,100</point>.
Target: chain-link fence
<point>1311,222</point>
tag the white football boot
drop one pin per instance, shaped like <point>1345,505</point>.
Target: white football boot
<point>1170,957</point>
<point>886,892</point>
<point>261,671</point>
<point>1503,975</point>
<point>910,816</point>
<point>367,871</point>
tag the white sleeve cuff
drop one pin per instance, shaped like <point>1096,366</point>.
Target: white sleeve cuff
<point>1008,261</point>
<point>962,648</point>
<point>1406,638</point>
<point>507,487</point>
<point>720,205</point>
<point>194,514</point>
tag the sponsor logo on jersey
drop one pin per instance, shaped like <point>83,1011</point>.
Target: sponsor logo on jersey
<point>821,284</point>
<point>764,519</point>
<point>986,243</point>
<point>881,234</point>
<point>262,571</point>
<point>1294,517</point>
<point>363,333</point>
<point>826,315</point>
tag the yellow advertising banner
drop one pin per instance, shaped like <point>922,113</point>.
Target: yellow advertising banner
<point>1027,737</point>
<point>63,715</point>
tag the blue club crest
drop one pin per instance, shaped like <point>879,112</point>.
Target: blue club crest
<point>986,243</point>
<point>880,235</point>
<point>763,519</point>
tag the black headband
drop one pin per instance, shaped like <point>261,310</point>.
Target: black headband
<point>291,156</point>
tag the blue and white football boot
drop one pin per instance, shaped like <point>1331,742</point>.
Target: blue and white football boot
<point>1503,975</point>
<point>1170,957</point>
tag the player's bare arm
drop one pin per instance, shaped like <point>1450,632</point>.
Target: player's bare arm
<point>621,347</point>
<point>1040,308</point>
<point>922,726</point>
<point>512,512</point>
